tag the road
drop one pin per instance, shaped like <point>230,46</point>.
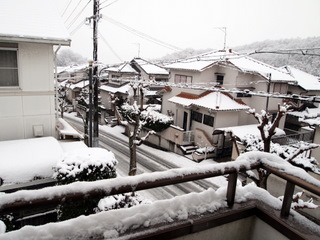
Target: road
<point>146,162</point>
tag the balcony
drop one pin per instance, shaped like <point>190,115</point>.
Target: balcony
<point>231,212</point>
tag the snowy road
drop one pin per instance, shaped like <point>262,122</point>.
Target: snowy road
<point>148,161</point>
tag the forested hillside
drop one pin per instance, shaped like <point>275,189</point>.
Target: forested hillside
<point>310,64</point>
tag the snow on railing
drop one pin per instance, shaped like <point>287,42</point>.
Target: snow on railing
<point>252,160</point>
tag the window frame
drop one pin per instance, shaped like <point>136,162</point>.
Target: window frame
<point>187,77</point>
<point>219,81</point>
<point>206,121</point>
<point>14,48</point>
<point>195,116</point>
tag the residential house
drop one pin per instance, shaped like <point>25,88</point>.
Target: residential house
<point>27,90</point>
<point>232,78</point>
<point>305,85</point>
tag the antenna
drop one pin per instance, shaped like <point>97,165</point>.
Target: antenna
<point>224,30</point>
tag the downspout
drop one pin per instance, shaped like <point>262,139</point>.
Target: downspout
<point>56,80</point>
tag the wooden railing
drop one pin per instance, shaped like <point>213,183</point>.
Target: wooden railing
<point>18,201</point>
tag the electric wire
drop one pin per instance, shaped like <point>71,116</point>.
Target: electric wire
<point>141,34</point>
<point>77,16</point>
<point>108,4</point>
<point>65,10</point>
<point>73,11</point>
<point>78,27</point>
<point>109,46</point>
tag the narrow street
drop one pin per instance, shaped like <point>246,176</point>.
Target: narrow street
<point>147,162</point>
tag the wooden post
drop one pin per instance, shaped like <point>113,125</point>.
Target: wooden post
<point>231,191</point>
<point>287,199</point>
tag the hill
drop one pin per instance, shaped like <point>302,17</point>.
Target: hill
<point>309,64</point>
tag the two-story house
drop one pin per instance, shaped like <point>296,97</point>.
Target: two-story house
<point>223,81</point>
<point>27,39</point>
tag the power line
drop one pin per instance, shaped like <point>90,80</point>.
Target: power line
<point>109,46</point>
<point>299,51</point>
<point>77,16</point>
<point>78,27</point>
<point>108,4</point>
<point>73,11</point>
<point>141,34</point>
<point>66,8</point>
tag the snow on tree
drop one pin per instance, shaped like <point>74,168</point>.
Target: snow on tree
<point>138,117</point>
<point>62,99</point>
<point>292,154</point>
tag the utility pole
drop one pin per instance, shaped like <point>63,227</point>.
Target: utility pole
<point>96,82</point>
<point>90,115</point>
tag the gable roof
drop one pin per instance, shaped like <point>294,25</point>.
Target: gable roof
<point>150,68</point>
<point>125,89</point>
<point>304,80</point>
<point>229,58</point>
<point>122,68</point>
<point>216,101</point>
<point>32,21</point>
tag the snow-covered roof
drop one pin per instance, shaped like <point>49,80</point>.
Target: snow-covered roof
<point>310,116</point>
<point>215,101</point>
<point>304,80</point>
<point>72,69</point>
<point>242,63</point>
<point>150,68</point>
<point>125,89</point>
<point>252,129</point>
<point>72,86</point>
<point>32,21</point>
<point>123,68</point>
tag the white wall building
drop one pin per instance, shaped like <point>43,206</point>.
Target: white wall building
<point>28,35</point>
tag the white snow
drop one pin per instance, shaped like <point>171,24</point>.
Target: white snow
<point>65,129</point>
<point>245,130</point>
<point>150,68</point>
<point>112,223</point>
<point>73,162</point>
<point>215,101</point>
<point>304,80</point>
<point>22,160</point>
<point>2,227</point>
<point>125,89</point>
<point>234,60</point>
<point>33,19</point>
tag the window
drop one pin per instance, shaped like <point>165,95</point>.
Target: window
<point>182,79</point>
<point>196,116</point>
<point>219,78</point>
<point>280,88</point>
<point>208,120</point>
<point>8,65</point>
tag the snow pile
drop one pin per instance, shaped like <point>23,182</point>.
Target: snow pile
<point>126,200</point>
<point>89,161</point>
<point>23,160</point>
<point>2,227</point>
<point>277,162</point>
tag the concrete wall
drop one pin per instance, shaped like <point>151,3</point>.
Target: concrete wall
<point>32,103</point>
<point>250,228</point>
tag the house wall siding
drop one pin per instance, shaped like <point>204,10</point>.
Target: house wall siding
<point>33,102</point>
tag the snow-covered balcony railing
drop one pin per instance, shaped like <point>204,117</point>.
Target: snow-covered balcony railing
<point>53,195</point>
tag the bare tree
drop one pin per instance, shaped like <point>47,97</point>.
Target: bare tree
<point>267,129</point>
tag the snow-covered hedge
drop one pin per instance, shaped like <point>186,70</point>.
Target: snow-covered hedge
<point>88,164</point>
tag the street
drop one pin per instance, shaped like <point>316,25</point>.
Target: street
<point>146,162</point>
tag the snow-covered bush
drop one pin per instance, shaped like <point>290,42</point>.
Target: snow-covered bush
<point>89,164</point>
<point>150,118</point>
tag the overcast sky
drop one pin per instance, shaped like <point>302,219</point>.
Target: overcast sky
<point>185,24</point>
